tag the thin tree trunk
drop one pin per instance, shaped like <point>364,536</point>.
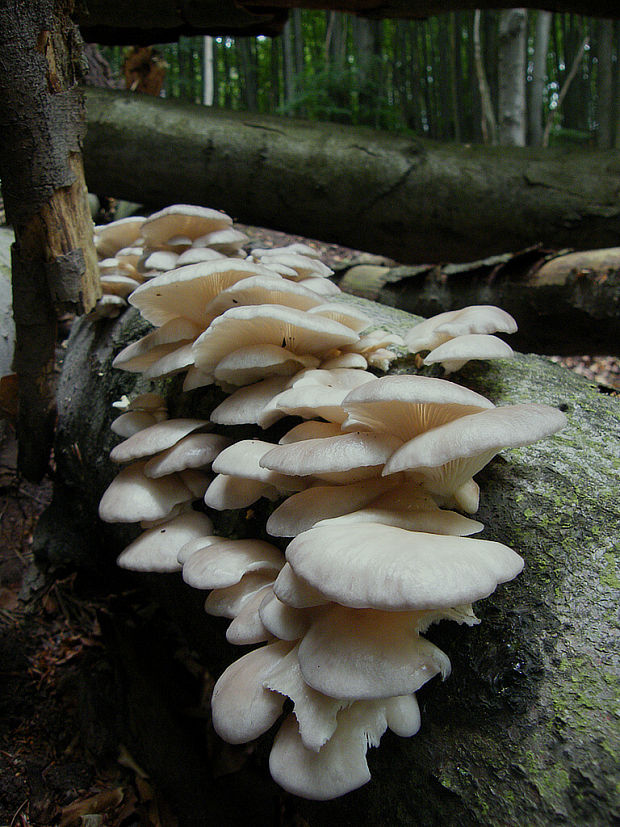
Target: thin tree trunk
<point>247,62</point>
<point>289,69</point>
<point>298,39</point>
<point>53,258</point>
<point>453,55</point>
<point>563,91</point>
<point>539,76</point>
<point>487,123</point>
<point>605,85</point>
<point>511,73</point>
<point>207,63</point>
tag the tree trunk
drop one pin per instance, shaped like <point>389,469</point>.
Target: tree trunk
<point>408,198</point>
<point>511,73</point>
<point>565,304</point>
<point>539,76</point>
<point>605,84</point>
<point>488,123</point>
<point>521,733</point>
<point>53,258</point>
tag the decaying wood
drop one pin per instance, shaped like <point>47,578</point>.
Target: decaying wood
<point>565,303</point>
<point>523,730</point>
<point>411,199</point>
<point>53,258</point>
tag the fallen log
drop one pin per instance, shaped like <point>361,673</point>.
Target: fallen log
<point>521,733</point>
<point>565,303</point>
<point>408,198</point>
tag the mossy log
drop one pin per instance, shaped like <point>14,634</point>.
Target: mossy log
<point>413,199</point>
<point>524,731</point>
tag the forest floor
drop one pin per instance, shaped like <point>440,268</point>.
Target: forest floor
<point>53,771</point>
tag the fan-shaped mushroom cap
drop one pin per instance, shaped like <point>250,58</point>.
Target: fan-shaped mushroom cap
<point>456,352</point>
<point>311,429</point>
<point>288,327</point>
<point>301,511</point>
<point>132,497</point>
<point>389,568</point>
<point>186,291</point>
<point>156,438</point>
<point>323,287</point>
<point>254,362</point>
<point>228,602</point>
<point>153,402</point>
<point>403,715</point>
<point>296,248</point>
<point>345,360</point>
<point>451,454</point>
<point>109,238</point>
<point>228,241</point>
<point>431,521</point>
<point>340,766</point>
<point>228,492</point>
<point>484,318</point>
<point>193,451</point>
<point>242,459</point>
<point>283,621</point>
<point>303,267</point>
<point>372,341</point>
<point>118,284</point>
<point>409,405</point>
<point>157,548</point>
<point>246,405</point>
<point>224,562</point>
<point>197,254</point>
<point>271,289</point>
<point>131,422</point>
<point>150,264</point>
<point>247,626</point>
<point>346,314</point>
<point>295,591</point>
<point>140,355</point>
<point>241,707</point>
<point>182,219</point>
<point>368,654</point>
<point>346,457</point>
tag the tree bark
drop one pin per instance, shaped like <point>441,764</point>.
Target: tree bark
<point>522,732</point>
<point>407,198</point>
<point>605,83</point>
<point>53,259</point>
<point>565,304</point>
<point>539,76</point>
<point>511,73</point>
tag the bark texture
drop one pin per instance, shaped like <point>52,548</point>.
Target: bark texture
<point>523,732</point>
<point>53,258</point>
<point>565,303</point>
<point>407,198</point>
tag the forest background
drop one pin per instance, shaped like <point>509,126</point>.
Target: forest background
<point>513,77</point>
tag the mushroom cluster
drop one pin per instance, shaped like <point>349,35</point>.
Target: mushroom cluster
<point>370,488</point>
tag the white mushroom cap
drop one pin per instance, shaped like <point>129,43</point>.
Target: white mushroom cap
<point>346,314</point>
<point>140,355</point>
<point>194,545</point>
<point>227,492</point>
<point>409,405</point>
<point>182,219</point>
<point>228,602</point>
<point>403,715</point>
<point>242,459</point>
<point>193,451</point>
<point>132,497</point>
<point>316,713</point>
<point>323,287</point>
<point>224,562</point>
<point>301,511</point>
<point>118,284</point>
<point>451,454</point>
<point>303,267</point>
<point>345,360</point>
<point>246,405</point>
<point>156,438</point>
<point>247,626</point>
<point>157,548</point>
<point>288,327</point>
<point>311,429</point>
<point>153,402</point>
<point>346,457</point>
<point>297,248</point>
<point>109,238</point>
<point>295,591</point>
<point>431,521</point>
<point>186,291</point>
<point>456,352</point>
<point>271,289</point>
<point>228,241</point>
<point>108,306</point>
<point>283,621</point>
<point>157,262</point>
<point>389,568</point>
<point>131,422</point>
<point>340,766</point>
<point>367,654</point>
<point>197,254</point>
<point>254,362</point>
<point>241,707</point>
<point>484,318</point>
